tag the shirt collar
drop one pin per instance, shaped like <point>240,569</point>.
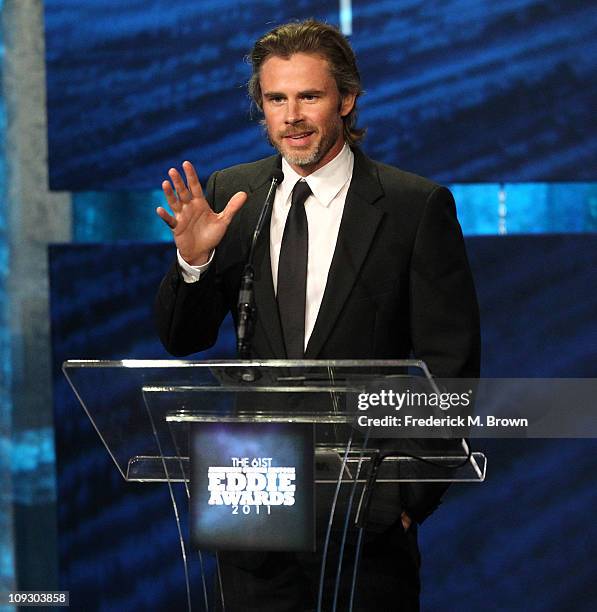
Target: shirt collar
<point>326,182</point>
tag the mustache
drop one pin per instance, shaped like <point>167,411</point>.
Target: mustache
<point>295,130</point>
<point>300,128</point>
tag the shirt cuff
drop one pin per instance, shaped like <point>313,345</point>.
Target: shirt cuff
<point>191,274</point>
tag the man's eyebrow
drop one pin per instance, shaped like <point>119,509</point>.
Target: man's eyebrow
<point>312,92</point>
<point>307,92</point>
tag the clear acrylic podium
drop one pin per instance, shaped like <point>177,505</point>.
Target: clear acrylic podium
<point>143,411</point>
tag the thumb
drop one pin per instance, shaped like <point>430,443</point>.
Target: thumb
<point>235,203</point>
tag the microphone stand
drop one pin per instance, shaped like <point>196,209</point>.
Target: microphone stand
<point>246,300</point>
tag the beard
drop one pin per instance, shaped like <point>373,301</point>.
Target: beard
<point>311,155</point>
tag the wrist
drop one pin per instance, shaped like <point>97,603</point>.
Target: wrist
<point>199,259</point>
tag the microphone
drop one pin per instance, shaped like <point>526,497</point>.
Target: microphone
<point>277,177</point>
<point>246,306</point>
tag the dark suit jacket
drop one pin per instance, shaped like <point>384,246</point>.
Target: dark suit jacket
<point>399,284</point>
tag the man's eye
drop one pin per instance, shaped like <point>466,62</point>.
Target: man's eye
<point>277,100</point>
<point>309,97</point>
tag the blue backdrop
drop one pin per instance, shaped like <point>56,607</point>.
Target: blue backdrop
<point>458,90</point>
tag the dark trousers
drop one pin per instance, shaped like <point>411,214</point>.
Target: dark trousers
<point>388,576</point>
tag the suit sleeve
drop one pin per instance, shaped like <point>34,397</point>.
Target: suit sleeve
<point>445,329</point>
<point>444,310</point>
<point>188,315</point>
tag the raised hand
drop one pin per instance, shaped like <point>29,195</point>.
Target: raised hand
<point>197,229</point>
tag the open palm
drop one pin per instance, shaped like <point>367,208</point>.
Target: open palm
<point>197,229</point>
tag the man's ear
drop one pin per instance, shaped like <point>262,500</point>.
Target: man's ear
<point>347,104</point>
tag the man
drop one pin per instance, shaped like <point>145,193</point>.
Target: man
<point>386,274</point>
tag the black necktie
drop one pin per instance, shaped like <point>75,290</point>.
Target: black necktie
<point>292,273</point>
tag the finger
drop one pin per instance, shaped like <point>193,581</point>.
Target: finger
<point>235,203</point>
<point>181,189</point>
<point>167,218</point>
<point>192,179</point>
<point>170,196</point>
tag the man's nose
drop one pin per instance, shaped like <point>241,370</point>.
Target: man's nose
<point>293,112</point>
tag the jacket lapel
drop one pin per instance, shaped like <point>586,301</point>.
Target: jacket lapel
<point>357,230</point>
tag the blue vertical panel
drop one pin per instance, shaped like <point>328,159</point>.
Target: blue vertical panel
<point>7,573</point>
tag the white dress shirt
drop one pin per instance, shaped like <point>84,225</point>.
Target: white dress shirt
<point>324,208</point>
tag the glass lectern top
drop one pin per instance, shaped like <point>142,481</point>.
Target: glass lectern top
<point>142,410</point>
